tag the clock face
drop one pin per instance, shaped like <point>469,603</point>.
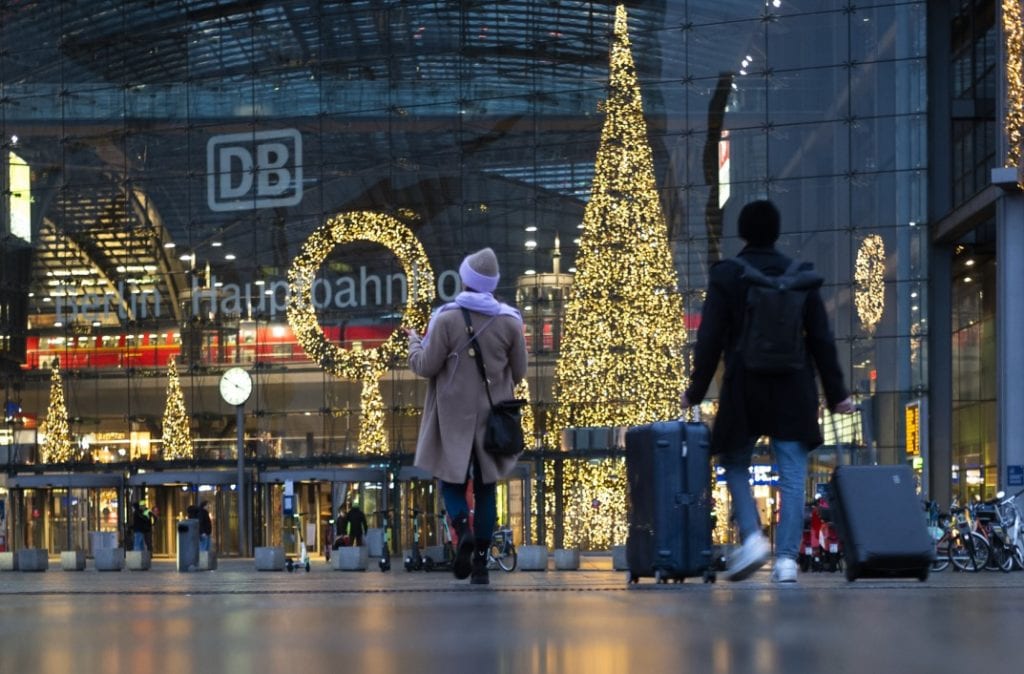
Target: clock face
<point>235,386</point>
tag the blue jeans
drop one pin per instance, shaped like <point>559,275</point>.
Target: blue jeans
<point>791,459</point>
<point>139,541</point>
<point>204,542</point>
<point>485,513</point>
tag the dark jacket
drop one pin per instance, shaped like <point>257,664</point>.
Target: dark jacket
<point>783,407</point>
<point>356,522</point>
<point>205,522</point>
<point>142,520</point>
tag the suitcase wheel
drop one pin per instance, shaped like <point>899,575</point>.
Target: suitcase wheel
<point>631,579</point>
<point>709,576</point>
<point>852,572</point>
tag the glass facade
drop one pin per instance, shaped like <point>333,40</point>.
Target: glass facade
<point>179,155</point>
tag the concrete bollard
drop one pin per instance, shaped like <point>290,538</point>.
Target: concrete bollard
<point>138,560</point>
<point>33,559</point>
<point>269,558</point>
<point>355,558</point>
<point>8,561</point>
<point>374,542</point>
<point>108,559</point>
<point>72,560</point>
<point>533,558</point>
<point>207,560</point>
<point>567,560</point>
<point>619,562</point>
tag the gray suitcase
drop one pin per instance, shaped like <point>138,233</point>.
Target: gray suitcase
<point>668,469</point>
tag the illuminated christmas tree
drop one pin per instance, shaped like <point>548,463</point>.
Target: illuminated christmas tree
<point>622,349</point>
<point>177,429</point>
<point>621,357</point>
<point>57,446</point>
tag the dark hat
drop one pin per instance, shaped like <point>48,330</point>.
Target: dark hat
<point>479,271</point>
<point>759,223</point>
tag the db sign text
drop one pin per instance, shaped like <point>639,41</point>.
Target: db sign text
<point>246,171</point>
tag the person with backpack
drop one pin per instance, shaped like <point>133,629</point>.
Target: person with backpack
<point>764,314</point>
<point>142,526</point>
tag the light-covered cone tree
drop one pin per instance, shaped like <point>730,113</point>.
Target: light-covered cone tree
<point>57,446</point>
<point>177,430</point>
<point>621,361</point>
<point>621,358</point>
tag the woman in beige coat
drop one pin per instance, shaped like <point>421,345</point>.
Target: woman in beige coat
<point>450,443</point>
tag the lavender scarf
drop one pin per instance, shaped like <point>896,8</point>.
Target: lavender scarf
<point>483,303</point>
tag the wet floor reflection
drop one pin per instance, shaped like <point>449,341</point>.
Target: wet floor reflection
<point>705,631</point>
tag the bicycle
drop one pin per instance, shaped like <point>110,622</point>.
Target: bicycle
<point>1013,524</point>
<point>968,550</point>
<point>989,523</point>
<point>502,552</point>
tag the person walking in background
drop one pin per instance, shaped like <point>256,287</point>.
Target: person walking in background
<point>779,403</point>
<point>142,526</point>
<point>450,443</point>
<point>205,526</point>
<point>341,528</point>
<point>139,527</point>
<point>356,524</point>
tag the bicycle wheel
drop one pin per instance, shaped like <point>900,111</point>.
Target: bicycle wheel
<point>969,555</point>
<point>506,559</point>
<point>942,559</point>
<point>1001,557</point>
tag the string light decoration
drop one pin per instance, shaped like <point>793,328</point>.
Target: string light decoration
<point>522,391</point>
<point>57,446</point>
<point>621,358</point>
<point>177,432</point>
<point>869,275</point>
<point>365,365</point>
<point>1013,123</point>
<point>593,502</point>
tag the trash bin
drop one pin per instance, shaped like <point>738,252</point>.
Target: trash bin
<point>188,545</point>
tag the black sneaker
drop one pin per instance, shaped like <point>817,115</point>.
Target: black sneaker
<point>480,575</point>
<point>463,565</point>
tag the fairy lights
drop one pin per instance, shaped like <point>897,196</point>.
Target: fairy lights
<point>869,274</point>
<point>365,365</point>
<point>522,391</point>
<point>621,360</point>
<point>593,502</point>
<point>177,433</point>
<point>622,348</point>
<point>56,446</point>
<point>1013,35</point>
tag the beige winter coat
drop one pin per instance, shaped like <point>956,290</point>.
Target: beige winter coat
<point>456,408</point>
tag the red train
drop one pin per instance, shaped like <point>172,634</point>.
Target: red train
<point>246,344</point>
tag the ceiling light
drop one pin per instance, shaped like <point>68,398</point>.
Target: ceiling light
<point>229,256</point>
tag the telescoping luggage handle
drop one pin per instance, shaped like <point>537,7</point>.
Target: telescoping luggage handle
<point>694,414</point>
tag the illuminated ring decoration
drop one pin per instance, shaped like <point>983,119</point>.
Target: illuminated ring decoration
<point>346,228</point>
<point>869,274</point>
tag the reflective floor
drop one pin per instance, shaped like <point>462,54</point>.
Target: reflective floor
<point>238,620</point>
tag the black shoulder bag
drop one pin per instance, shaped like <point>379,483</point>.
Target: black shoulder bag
<point>504,434</point>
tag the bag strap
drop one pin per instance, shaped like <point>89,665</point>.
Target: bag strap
<point>475,354</point>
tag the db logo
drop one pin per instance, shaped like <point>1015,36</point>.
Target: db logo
<point>254,170</point>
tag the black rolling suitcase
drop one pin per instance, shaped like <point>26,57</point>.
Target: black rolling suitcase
<point>668,468</point>
<point>881,522</point>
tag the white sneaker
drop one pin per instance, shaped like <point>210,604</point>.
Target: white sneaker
<point>748,558</point>
<point>784,570</point>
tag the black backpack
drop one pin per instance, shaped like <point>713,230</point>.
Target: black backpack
<point>772,339</point>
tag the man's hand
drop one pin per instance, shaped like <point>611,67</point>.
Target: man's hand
<point>685,402</point>
<point>845,407</point>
